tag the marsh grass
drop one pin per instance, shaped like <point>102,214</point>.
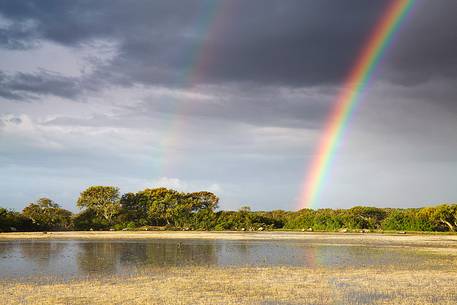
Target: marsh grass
<point>265,285</point>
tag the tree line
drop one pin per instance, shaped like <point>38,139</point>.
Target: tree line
<point>104,208</point>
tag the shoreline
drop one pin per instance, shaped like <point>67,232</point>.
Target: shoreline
<point>379,239</point>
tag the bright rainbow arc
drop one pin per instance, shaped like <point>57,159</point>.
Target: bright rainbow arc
<point>349,96</point>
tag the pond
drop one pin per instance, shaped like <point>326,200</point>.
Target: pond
<point>68,259</point>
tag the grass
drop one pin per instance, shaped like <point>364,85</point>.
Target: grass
<point>268,285</point>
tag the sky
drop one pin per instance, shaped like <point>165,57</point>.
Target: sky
<point>225,96</point>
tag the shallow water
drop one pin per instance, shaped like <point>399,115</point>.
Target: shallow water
<point>76,258</point>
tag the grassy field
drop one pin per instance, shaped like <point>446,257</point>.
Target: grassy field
<point>275,285</point>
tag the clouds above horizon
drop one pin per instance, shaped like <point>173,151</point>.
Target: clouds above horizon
<point>227,95</point>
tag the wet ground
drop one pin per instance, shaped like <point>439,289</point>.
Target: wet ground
<point>66,259</point>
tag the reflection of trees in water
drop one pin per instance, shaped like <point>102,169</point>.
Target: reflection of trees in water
<point>41,253</point>
<point>243,247</point>
<point>362,256</point>
<point>5,249</point>
<point>175,253</point>
<point>98,257</point>
<point>113,257</point>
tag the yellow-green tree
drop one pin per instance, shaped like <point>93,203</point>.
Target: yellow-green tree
<point>447,215</point>
<point>104,200</point>
<point>45,214</point>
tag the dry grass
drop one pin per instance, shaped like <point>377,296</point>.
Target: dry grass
<point>269,285</point>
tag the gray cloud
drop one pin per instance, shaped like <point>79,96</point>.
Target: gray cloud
<point>297,43</point>
<point>230,93</point>
<point>171,44</point>
<point>426,44</point>
<point>23,86</point>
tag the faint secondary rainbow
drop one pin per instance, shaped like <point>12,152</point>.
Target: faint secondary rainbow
<point>211,19</point>
<point>349,96</point>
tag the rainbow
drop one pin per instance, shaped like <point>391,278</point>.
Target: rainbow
<point>212,17</point>
<point>347,100</point>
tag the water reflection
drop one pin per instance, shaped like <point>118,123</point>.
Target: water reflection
<point>39,253</point>
<point>169,254</point>
<point>69,259</point>
<point>115,257</point>
<point>97,257</point>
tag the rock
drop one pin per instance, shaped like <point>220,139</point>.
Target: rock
<point>13,229</point>
<point>310,230</point>
<point>365,231</point>
<point>401,232</point>
<point>125,229</point>
<point>243,229</point>
<point>91,229</point>
<point>112,229</point>
<point>260,229</point>
<point>343,230</point>
<point>303,230</point>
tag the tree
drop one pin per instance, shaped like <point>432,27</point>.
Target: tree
<point>87,220</point>
<point>12,220</point>
<point>361,217</point>
<point>151,204</point>
<point>447,215</point>
<point>48,215</point>
<point>168,205</point>
<point>203,206</point>
<point>104,200</point>
<point>425,221</point>
<point>135,209</point>
<point>204,201</point>
<point>397,219</point>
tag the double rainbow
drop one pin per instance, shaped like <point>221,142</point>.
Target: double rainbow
<point>349,96</point>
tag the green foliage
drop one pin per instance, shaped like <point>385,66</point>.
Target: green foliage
<point>134,208</point>
<point>162,206</point>
<point>360,217</point>
<point>11,221</point>
<point>104,200</point>
<point>371,218</point>
<point>103,208</point>
<point>245,219</point>
<point>446,214</point>
<point>47,215</point>
<point>409,220</point>
<point>87,220</point>
<point>301,219</point>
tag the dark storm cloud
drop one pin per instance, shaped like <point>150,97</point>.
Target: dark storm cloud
<point>232,45</point>
<point>294,43</point>
<point>288,43</point>
<point>23,86</point>
<point>295,108</point>
<point>17,37</point>
<point>426,45</point>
